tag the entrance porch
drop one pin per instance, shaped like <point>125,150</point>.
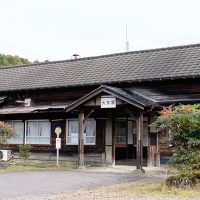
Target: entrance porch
<point>126,134</point>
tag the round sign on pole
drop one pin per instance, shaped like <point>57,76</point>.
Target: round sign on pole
<point>58,130</point>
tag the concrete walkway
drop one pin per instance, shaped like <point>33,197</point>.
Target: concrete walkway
<point>128,169</point>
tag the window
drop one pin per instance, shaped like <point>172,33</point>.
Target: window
<point>145,132</point>
<point>72,132</point>
<point>18,137</point>
<point>120,131</point>
<point>38,132</point>
<point>89,132</point>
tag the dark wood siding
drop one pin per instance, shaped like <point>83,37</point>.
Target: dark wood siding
<point>163,91</point>
<point>171,91</point>
<point>69,149</point>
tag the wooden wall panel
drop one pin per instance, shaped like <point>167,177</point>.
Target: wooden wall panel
<point>165,91</point>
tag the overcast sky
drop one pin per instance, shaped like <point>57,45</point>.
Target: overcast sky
<point>56,29</point>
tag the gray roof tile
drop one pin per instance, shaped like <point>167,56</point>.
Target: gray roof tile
<point>154,64</point>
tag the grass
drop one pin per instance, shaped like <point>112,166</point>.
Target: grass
<point>157,190</point>
<point>36,166</point>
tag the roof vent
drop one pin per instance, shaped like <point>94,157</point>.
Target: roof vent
<point>75,56</point>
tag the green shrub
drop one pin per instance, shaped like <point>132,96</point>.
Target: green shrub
<point>6,132</point>
<point>181,181</point>
<point>182,125</point>
<point>25,150</point>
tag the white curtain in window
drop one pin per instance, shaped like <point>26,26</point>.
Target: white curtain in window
<point>18,127</point>
<point>90,128</point>
<point>32,132</point>
<point>90,132</point>
<point>72,127</point>
<point>72,135</point>
<point>32,129</point>
<point>38,132</point>
<point>19,132</point>
<point>44,129</point>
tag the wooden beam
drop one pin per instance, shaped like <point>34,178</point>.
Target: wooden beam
<point>139,149</point>
<point>132,115</point>
<point>88,115</point>
<point>81,139</point>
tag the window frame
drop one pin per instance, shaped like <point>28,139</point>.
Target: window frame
<point>37,120</point>
<point>121,137</point>
<point>87,144</point>
<point>145,134</point>
<point>23,135</point>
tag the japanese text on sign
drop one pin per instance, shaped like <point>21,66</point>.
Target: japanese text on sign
<point>108,102</point>
<point>58,143</point>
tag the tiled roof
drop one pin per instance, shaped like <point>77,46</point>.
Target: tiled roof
<point>164,63</point>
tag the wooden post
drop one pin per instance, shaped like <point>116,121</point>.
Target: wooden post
<point>139,149</point>
<point>81,139</point>
<point>157,152</point>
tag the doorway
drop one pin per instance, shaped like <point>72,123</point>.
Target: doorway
<point>125,139</point>
<point>123,146</point>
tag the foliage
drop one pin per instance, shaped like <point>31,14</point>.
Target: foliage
<point>7,60</point>
<point>154,190</point>
<point>182,127</point>
<point>6,132</point>
<point>25,150</point>
<point>181,181</point>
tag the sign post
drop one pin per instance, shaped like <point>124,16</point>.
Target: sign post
<point>58,130</point>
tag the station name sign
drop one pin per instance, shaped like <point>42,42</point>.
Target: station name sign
<point>108,102</point>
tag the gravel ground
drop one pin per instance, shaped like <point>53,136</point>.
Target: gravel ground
<point>103,193</point>
<point>38,183</point>
<point>77,185</point>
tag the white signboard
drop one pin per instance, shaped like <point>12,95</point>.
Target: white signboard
<point>108,102</point>
<point>58,143</point>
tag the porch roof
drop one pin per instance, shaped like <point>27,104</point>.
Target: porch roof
<point>132,97</point>
<point>32,109</point>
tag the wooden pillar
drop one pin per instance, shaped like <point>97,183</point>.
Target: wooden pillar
<point>153,159</point>
<point>139,149</point>
<point>157,152</point>
<point>81,139</point>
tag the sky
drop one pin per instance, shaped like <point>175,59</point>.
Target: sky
<point>57,29</point>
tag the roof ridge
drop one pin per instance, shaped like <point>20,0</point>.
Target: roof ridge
<point>145,50</point>
<point>106,55</point>
<point>32,64</point>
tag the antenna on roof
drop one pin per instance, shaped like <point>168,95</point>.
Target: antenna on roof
<point>127,43</point>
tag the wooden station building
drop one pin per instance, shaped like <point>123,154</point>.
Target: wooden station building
<point>102,104</point>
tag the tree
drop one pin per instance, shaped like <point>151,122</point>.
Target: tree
<point>182,127</point>
<point>6,132</point>
<point>8,60</point>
